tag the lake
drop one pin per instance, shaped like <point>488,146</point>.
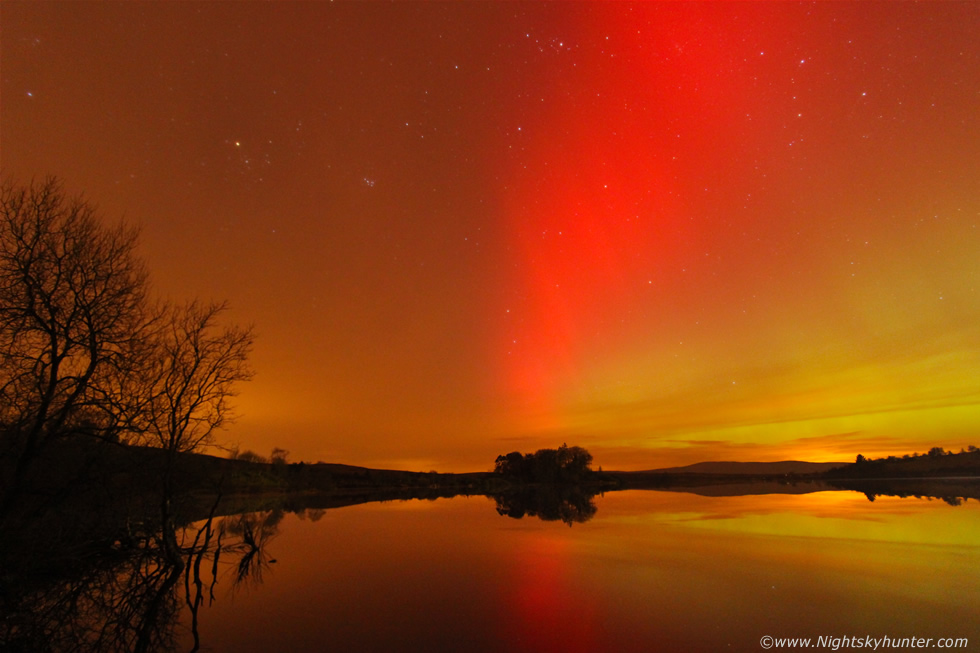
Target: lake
<point>650,571</point>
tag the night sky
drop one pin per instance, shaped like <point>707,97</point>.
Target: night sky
<point>664,232</point>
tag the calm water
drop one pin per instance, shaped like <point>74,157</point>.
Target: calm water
<point>651,571</point>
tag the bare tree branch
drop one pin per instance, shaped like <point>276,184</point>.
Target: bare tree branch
<point>84,351</point>
<point>73,306</point>
<point>191,376</point>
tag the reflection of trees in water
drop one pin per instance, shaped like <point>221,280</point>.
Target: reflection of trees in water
<point>116,603</point>
<point>549,502</point>
<point>127,598</point>
<point>253,532</point>
<point>242,538</point>
<point>953,491</point>
<point>120,600</point>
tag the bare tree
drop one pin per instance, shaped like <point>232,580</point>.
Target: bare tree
<point>185,389</point>
<point>84,351</point>
<point>73,312</point>
<point>191,377</point>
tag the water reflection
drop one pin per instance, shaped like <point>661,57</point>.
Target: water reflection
<point>127,597</point>
<point>121,602</point>
<point>953,491</point>
<point>428,575</point>
<point>567,503</point>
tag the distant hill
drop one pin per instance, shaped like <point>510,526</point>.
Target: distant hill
<point>752,469</point>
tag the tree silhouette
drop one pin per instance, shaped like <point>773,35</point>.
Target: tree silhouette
<point>83,349</point>
<point>190,376</point>
<point>562,465</point>
<point>73,312</point>
<point>186,384</point>
<point>279,456</point>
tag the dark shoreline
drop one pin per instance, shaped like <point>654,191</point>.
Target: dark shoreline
<point>94,491</point>
<point>92,509</point>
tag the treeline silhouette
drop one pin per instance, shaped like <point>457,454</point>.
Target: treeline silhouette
<point>936,462</point>
<point>945,475</point>
<point>562,465</point>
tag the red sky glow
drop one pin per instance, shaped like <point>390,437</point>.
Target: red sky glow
<point>666,232</point>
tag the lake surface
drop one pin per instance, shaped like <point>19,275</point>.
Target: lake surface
<point>650,571</point>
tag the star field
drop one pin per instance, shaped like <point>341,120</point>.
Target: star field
<point>667,232</point>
